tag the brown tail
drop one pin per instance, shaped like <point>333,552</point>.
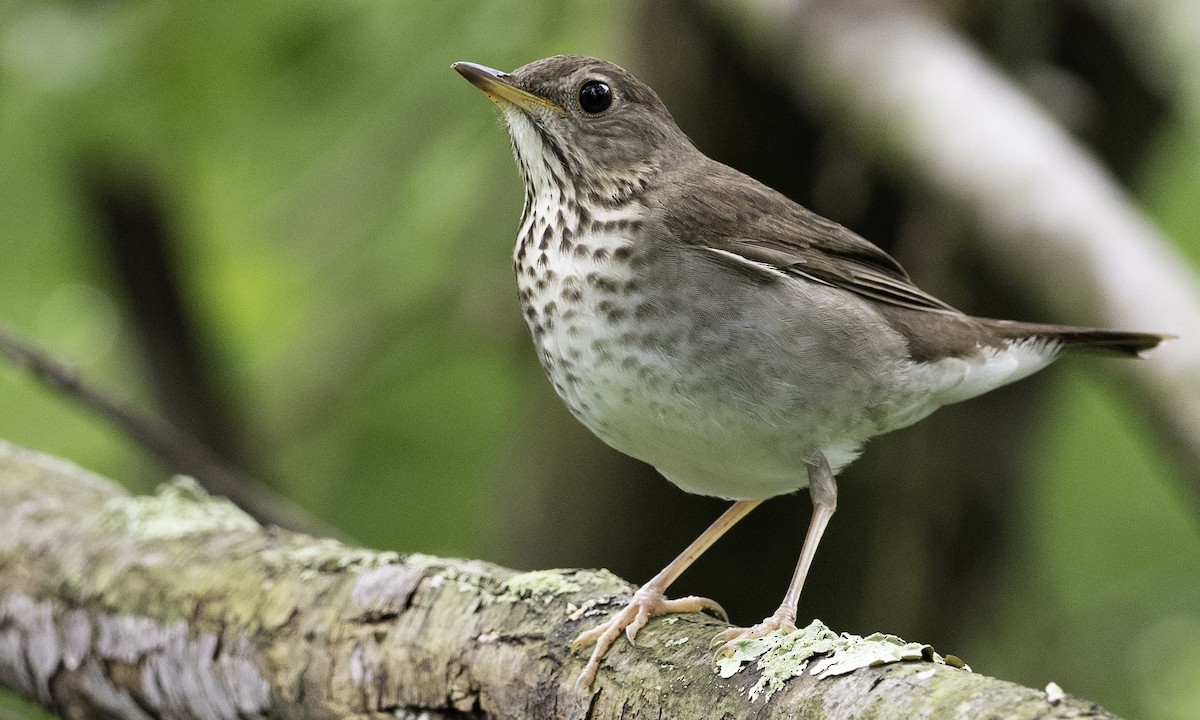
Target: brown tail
<point>1114,342</point>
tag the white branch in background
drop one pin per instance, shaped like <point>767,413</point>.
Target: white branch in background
<point>924,98</point>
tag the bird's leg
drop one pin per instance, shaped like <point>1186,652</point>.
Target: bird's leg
<point>823,490</point>
<point>649,600</point>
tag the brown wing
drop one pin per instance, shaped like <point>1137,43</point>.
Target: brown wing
<point>739,217</point>
<point>759,231</point>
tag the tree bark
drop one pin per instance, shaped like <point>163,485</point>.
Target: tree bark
<point>182,606</point>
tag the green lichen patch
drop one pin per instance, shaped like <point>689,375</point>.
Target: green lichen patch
<point>548,585</point>
<point>179,509</point>
<point>822,653</point>
<point>544,585</point>
<point>324,555</point>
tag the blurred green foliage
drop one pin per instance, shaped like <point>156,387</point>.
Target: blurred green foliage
<point>345,207</point>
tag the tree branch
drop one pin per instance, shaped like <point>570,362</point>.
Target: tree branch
<point>182,606</point>
<point>922,99</point>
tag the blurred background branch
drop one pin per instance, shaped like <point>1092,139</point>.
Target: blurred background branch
<point>1056,222</point>
<point>176,449</point>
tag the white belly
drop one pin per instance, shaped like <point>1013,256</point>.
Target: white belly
<point>733,413</point>
<point>729,393</point>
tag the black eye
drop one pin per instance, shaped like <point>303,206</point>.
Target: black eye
<point>595,97</point>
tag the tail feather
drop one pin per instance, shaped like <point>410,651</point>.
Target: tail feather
<point>1113,342</point>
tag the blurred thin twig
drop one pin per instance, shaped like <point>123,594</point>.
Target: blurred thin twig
<point>165,442</point>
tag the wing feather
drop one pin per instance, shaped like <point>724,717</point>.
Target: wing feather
<point>768,231</point>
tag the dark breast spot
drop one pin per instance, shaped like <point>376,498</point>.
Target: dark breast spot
<point>602,353</point>
<point>612,310</point>
<point>601,283</point>
<point>571,291</point>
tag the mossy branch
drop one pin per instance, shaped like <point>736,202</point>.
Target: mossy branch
<point>182,606</point>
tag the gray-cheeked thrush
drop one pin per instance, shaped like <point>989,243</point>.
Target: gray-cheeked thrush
<point>695,319</point>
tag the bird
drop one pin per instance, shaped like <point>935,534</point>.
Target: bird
<point>695,319</point>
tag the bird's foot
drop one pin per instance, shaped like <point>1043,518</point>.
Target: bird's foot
<point>646,603</point>
<point>729,639</point>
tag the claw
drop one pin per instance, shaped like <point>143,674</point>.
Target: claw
<point>639,621</point>
<point>703,603</point>
<point>729,638</point>
<point>649,601</point>
<point>631,619</point>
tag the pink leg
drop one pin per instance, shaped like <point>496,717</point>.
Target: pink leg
<point>823,490</point>
<point>649,600</point>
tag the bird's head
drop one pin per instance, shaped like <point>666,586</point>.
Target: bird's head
<point>582,122</point>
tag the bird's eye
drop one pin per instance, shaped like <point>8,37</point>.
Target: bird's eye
<point>595,97</point>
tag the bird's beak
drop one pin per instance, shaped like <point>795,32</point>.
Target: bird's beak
<point>501,90</point>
